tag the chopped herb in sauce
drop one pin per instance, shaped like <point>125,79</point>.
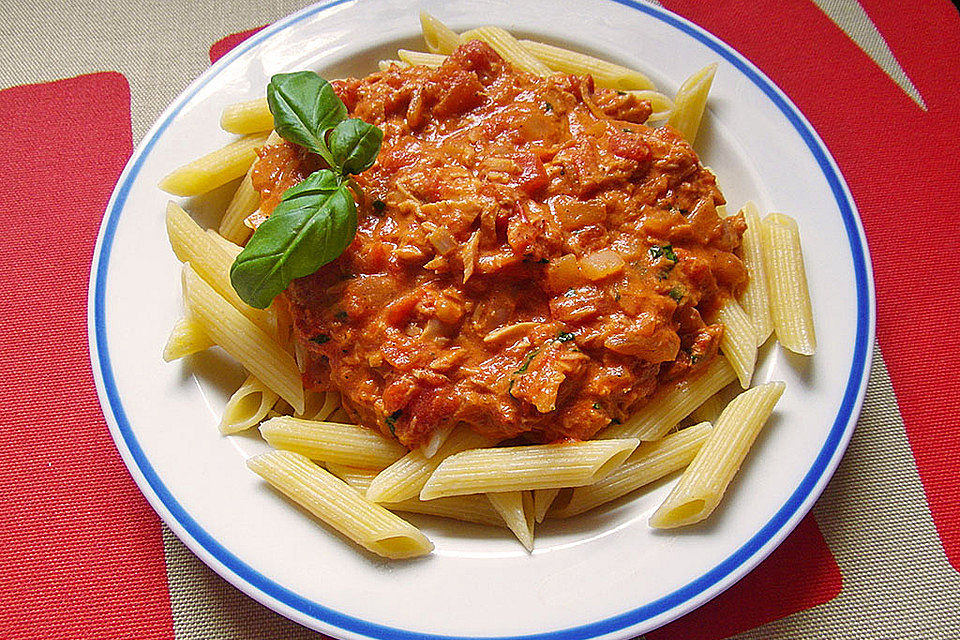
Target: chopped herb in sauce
<point>676,293</point>
<point>379,206</point>
<point>548,106</point>
<point>565,336</point>
<point>664,251</point>
<point>596,406</point>
<point>526,363</point>
<point>341,315</point>
<point>320,338</point>
<point>391,420</point>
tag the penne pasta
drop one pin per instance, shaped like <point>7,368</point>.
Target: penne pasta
<point>214,169</point>
<point>691,101</point>
<point>438,37</point>
<point>211,262</point>
<point>356,477</point>
<point>231,248</point>
<point>711,408</point>
<point>508,47</point>
<point>542,500</point>
<point>605,74</point>
<point>650,462</point>
<point>671,404</point>
<point>527,467</point>
<point>404,479</point>
<point>250,116</point>
<point>347,444</point>
<point>755,299</point>
<point>516,509</point>
<point>475,508</point>
<point>739,341</point>
<point>383,65</point>
<point>420,58</point>
<point>661,104</point>
<point>339,505</point>
<point>242,339</point>
<point>319,405</point>
<point>186,337</point>
<point>789,295</point>
<point>245,201</point>
<point>247,406</point>
<point>704,482</point>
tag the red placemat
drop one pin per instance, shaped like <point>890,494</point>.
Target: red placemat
<point>80,551</point>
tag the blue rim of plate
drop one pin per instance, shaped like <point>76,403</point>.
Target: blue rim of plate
<point>667,607</point>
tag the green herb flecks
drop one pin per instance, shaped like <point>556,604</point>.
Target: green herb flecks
<point>391,421</point>
<point>320,338</point>
<point>676,293</point>
<point>565,336</point>
<point>663,251</point>
<point>317,218</point>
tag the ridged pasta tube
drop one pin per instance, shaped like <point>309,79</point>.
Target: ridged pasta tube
<point>650,462</point>
<point>789,294</point>
<point>705,480</point>
<point>527,467</point>
<point>215,169</point>
<point>339,505</point>
<point>349,444</point>
<point>673,403</point>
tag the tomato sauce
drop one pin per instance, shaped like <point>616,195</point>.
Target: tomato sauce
<point>531,259</point>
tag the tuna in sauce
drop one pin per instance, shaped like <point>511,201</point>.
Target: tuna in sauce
<point>531,259</point>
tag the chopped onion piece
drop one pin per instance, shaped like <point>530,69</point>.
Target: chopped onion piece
<point>601,264</point>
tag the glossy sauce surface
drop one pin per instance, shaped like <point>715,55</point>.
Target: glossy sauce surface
<point>531,259</point>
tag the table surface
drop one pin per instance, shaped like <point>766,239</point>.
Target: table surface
<point>82,555</point>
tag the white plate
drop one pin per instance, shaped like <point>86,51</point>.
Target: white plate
<point>606,574</point>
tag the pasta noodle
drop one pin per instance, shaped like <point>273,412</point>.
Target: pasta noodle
<point>703,483</point>
<point>789,295</point>
<point>476,508</point>
<point>211,262</point>
<point>340,505</point>
<point>528,467</point>
<point>420,58</point>
<point>438,37</point>
<point>516,509</point>
<point>739,342</point>
<point>755,299</point>
<point>404,479</point>
<point>214,169</point>
<point>346,444</point>
<point>542,500</point>
<point>672,404</point>
<point>650,462</point>
<point>186,337</point>
<point>245,201</point>
<point>251,116</point>
<point>605,74</point>
<point>691,101</point>
<point>508,47</point>
<point>247,406</point>
<point>243,340</point>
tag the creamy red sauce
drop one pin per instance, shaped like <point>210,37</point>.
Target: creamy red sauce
<point>514,265</point>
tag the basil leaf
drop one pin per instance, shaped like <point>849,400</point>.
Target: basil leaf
<point>304,108</point>
<point>312,225</point>
<point>354,145</point>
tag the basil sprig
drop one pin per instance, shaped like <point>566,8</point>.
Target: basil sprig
<point>316,219</point>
